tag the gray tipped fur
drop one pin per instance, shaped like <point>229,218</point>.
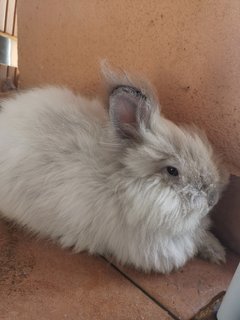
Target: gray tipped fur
<point>70,172</point>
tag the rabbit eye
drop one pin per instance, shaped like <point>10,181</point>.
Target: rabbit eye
<point>172,171</point>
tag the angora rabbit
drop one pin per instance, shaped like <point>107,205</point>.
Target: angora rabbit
<point>127,183</point>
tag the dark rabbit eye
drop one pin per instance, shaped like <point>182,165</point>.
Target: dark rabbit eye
<point>172,171</point>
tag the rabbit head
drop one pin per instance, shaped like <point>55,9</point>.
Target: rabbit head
<point>172,176</point>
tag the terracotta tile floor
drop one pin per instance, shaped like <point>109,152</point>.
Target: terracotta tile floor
<point>39,281</point>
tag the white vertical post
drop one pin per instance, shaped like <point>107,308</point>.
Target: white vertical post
<point>230,307</point>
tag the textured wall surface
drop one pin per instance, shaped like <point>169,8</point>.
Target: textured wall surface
<point>188,49</point>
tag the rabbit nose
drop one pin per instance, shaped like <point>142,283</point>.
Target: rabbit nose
<point>212,198</point>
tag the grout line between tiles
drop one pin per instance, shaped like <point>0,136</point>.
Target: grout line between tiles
<point>141,289</point>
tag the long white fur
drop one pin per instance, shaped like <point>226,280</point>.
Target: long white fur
<point>66,175</point>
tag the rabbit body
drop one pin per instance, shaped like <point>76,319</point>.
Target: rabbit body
<point>95,181</point>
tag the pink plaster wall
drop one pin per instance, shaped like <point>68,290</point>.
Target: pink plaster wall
<point>188,49</point>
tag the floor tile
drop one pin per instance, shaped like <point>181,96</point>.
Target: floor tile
<point>40,281</point>
<point>189,289</point>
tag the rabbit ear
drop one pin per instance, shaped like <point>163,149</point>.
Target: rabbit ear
<point>129,111</point>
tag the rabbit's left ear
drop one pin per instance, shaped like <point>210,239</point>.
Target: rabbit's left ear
<point>130,112</point>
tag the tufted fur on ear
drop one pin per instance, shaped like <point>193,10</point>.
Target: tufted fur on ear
<point>129,111</point>
<point>132,103</point>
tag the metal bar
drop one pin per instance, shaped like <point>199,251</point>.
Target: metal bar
<point>14,17</point>
<point>8,50</point>
<point>6,17</point>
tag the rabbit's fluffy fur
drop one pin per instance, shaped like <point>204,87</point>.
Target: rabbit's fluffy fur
<point>99,180</point>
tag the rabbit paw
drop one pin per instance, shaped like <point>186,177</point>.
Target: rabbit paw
<point>212,250</point>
